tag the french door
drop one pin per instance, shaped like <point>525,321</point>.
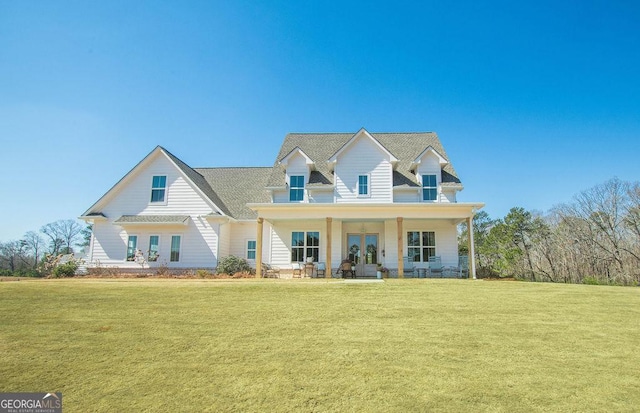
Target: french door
<point>362,250</point>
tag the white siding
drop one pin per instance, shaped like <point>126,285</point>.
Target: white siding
<point>109,244</point>
<point>197,244</point>
<point>448,195</point>
<point>320,197</point>
<point>134,198</point>
<point>391,241</point>
<point>363,157</point>
<point>281,240</point>
<point>243,232</point>
<point>267,232</point>
<point>280,247</point>
<point>446,239</point>
<point>224,245</point>
<point>199,239</point>
<point>407,196</point>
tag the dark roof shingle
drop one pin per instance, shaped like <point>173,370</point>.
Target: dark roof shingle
<point>237,187</point>
<point>406,147</point>
<point>152,219</point>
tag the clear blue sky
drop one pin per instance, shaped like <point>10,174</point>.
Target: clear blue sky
<point>533,100</point>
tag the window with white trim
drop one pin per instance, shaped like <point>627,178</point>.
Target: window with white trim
<point>421,245</point>
<point>154,248</point>
<point>175,248</point>
<point>304,245</point>
<point>158,188</point>
<point>251,250</point>
<point>429,188</point>
<point>296,188</point>
<point>132,247</point>
<point>363,185</point>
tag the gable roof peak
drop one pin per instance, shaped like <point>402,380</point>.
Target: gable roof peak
<point>297,151</point>
<point>193,177</point>
<point>429,149</point>
<point>362,133</point>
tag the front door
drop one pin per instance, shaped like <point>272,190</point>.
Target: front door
<point>362,249</point>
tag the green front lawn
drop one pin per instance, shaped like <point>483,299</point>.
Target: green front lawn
<point>314,345</point>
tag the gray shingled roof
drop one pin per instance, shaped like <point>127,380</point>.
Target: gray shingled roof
<point>152,219</point>
<point>199,181</point>
<point>96,214</point>
<point>237,187</point>
<point>231,189</point>
<point>406,147</point>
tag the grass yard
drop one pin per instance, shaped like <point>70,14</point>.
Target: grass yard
<point>326,346</point>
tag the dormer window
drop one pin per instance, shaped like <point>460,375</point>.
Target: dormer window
<point>363,185</point>
<point>296,188</point>
<point>429,188</point>
<point>158,188</point>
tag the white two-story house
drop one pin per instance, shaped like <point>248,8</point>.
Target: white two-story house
<point>372,198</point>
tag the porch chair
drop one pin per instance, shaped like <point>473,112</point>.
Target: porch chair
<point>409,268</point>
<point>297,269</point>
<point>269,271</point>
<point>321,269</point>
<point>345,269</point>
<point>463,266</point>
<point>435,266</point>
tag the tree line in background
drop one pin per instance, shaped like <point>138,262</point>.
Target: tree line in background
<point>34,254</point>
<point>593,239</point>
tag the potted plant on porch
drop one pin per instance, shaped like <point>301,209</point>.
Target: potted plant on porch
<point>382,271</point>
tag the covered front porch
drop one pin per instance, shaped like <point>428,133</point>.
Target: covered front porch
<point>398,238</point>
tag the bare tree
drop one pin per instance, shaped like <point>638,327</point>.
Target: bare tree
<point>593,238</point>
<point>34,245</point>
<point>71,231</point>
<point>12,255</point>
<point>52,231</point>
<point>63,234</point>
<point>632,216</point>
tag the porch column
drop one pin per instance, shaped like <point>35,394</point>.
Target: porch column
<point>259,248</point>
<point>400,251</point>
<point>472,253</point>
<point>327,271</point>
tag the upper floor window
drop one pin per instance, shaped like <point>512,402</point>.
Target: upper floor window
<point>421,245</point>
<point>296,188</point>
<point>158,188</point>
<point>363,185</point>
<point>429,188</point>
